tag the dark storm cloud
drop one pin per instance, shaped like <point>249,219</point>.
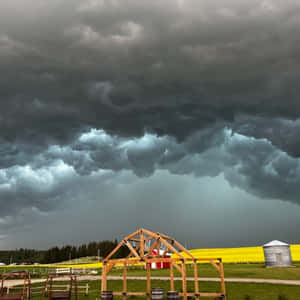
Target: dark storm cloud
<point>281,132</point>
<point>192,87</point>
<point>254,165</point>
<point>51,178</point>
<point>170,66</point>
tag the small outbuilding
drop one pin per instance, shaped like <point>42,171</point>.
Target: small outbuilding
<point>277,254</point>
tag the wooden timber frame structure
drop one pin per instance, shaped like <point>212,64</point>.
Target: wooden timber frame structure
<point>140,252</point>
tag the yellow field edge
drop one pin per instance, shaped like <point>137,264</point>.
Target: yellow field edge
<point>228,255</point>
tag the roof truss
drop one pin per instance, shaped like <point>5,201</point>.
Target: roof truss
<point>142,244</point>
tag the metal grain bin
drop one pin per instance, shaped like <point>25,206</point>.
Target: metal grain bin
<point>277,254</point>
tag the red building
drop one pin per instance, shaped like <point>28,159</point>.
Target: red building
<point>160,265</point>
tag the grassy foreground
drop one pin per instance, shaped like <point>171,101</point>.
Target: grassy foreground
<point>230,271</point>
<point>235,291</point>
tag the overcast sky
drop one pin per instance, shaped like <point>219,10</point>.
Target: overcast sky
<point>177,116</point>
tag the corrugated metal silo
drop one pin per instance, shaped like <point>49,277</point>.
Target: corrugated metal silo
<point>277,254</point>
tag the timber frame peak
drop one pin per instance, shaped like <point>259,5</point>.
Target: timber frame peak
<point>145,248</point>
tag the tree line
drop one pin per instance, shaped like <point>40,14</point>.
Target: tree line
<point>64,253</point>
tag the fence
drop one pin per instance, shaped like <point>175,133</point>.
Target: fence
<point>82,289</point>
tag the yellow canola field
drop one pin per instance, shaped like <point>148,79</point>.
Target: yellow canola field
<point>295,251</point>
<point>228,255</point>
<point>232,255</point>
<point>240,255</point>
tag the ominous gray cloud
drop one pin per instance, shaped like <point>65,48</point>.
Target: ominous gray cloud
<point>95,88</point>
<point>254,165</point>
<point>167,66</point>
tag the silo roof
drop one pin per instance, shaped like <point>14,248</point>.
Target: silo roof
<point>275,243</point>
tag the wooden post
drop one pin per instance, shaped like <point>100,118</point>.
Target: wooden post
<point>125,281</point>
<point>45,288</point>
<point>158,249</point>
<point>24,287</point>
<point>184,280</point>
<point>222,277</point>
<point>75,286</point>
<point>29,287</point>
<point>196,277</point>
<point>171,277</point>
<point>103,288</point>
<point>148,266</point>
<point>50,288</point>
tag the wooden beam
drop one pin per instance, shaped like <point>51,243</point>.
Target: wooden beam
<point>142,243</point>
<point>132,249</point>
<point>125,281</point>
<point>152,259</point>
<point>171,277</point>
<point>151,249</point>
<point>222,278</point>
<point>177,267</point>
<point>164,236</point>
<point>114,251</point>
<point>110,266</point>
<point>103,282</point>
<point>215,265</point>
<point>24,287</point>
<point>128,237</point>
<point>134,239</point>
<point>183,249</point>
<point>170,247</point>
<point>136,249</point>
<point>148,267</point>
<point>45,288</point>
<point>184,290</point>
<point>130,293</point>
<point>150,233</point>
<point>212,295</point>
<point>75,287</point>
<point>196,278</point>
<point>158,247</point>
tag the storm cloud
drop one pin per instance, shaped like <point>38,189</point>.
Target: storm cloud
<point>100,88</point>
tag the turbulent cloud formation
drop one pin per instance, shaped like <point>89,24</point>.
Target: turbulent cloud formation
<point>100,87</point>
<point>254,165</point>
<point>126,66</point>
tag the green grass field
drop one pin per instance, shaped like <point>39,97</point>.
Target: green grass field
<point>230,270</point>
<point>204,270</point>
<point>235,291</point>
